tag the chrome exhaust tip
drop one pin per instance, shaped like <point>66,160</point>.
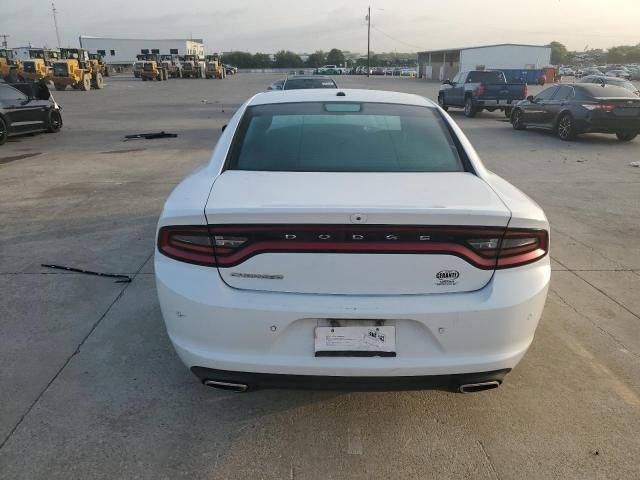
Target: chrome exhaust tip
<point>478,387</point>
<point>230,387</point>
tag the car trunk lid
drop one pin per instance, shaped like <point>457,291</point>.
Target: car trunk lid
<point>354,233</point>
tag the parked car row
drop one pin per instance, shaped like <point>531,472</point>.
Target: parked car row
<point>596,104</point>
<point>628,72</point>
<point>362,70</point>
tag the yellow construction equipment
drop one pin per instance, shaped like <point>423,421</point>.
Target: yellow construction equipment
<point>39,66</point>
<point>153,68</point>
<point>74,68</point>
<point>97,63</point>
<point>213,67</point>
<point>192,67</point>
<point>172,64</point>
<point>10,67</point>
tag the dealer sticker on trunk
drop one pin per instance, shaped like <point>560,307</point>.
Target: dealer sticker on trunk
<point>447,277</point>
<point>355,341</point>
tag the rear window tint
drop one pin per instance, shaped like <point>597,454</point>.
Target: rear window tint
<point>604,91</point>
<point>301,83</point>
<point>486,77</point>
<point>316,137</point>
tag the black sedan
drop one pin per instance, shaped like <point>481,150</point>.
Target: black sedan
<point>569,110</point>
<point>27,108</point>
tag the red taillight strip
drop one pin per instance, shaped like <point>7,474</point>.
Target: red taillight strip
<point>365,247</point>
<point>452,241</point>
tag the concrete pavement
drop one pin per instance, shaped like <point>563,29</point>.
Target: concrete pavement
<point>91,388</point>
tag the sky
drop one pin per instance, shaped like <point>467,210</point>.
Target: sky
<point>305,26</point>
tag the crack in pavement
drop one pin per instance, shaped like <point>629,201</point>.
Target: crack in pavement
<point>75,352</point>
<point>593,322</point>
<point>492,469</point>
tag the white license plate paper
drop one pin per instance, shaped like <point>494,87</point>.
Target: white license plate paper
<point>355,341</point>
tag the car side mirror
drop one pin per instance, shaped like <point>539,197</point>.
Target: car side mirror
<point>531,98</point>
<point>25,101</point>
<point>224,127</point>
<point>447,82</point>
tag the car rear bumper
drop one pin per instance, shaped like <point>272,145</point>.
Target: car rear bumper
<point>607,123</point>
<point>497,103</point>
<point>257,381</point>
<point>214,326</point>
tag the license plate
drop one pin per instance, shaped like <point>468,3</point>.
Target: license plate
<point>355,341</point>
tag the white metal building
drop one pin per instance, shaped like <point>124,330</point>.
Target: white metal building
<point>123,51</point>
<point>441,64</point>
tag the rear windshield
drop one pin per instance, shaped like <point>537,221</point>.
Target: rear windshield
<point>486,77</point>
<point>301,83</point>
<point>343,137</point>
<point>606,91</point>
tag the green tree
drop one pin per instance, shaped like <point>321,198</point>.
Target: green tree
<point>287,59</point>
<point>316,59</point>
<point>558,53</point>
<point>335,57</point>
<point>261,60</point>
<point>239,59</point>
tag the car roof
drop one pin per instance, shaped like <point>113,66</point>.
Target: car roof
<point>331,95</point>
<point>309,77</point>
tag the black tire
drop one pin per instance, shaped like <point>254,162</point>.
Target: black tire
<point>507,112</point>
<point>566,128</point>
<point>491,109</point>
<point>441,103</point>
<point>469,110</point>
<point>136,75</point>
<point>59,86</point>
<point>516,120</point>
<point>626,136</point>
<point>144,79</point>
<point>4,133</point>
<point>54,124</point>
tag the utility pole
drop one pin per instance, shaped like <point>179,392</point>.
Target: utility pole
<point>55,22</point>
<point>4,41</point>
<point>369,41</point>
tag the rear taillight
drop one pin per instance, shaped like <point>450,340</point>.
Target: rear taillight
<point>486,248</point>
<point>187,244</point>
<point>600,107</point>
<point>480,91</point>
<point>515,248</point>
<point>526,90</point>
<point>520,247</point>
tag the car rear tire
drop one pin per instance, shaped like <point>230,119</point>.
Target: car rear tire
<point>566,129</point>
<point>54,124</point>
<point>626,136</point>
<point>4,132</point>
<point>441,103</point>
<point>469,110</point>
<point>516,120</point>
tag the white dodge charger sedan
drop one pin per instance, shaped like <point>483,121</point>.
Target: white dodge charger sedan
<point>349,239</point>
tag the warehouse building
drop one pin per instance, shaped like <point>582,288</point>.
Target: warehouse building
<point>443,64</point>
<point>123,51</point>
